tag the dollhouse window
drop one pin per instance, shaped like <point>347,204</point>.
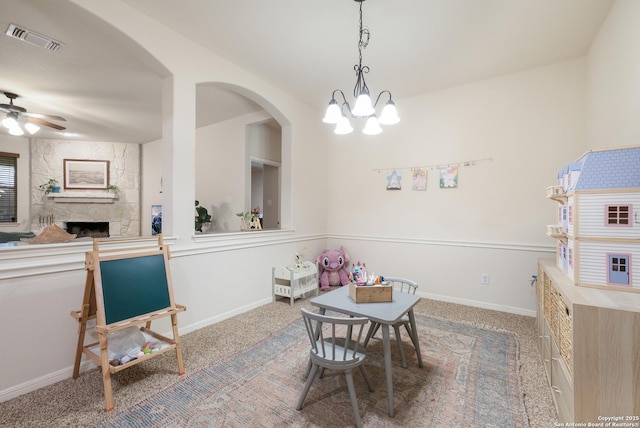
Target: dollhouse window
<point>618,215</point>
<point>618,264</point>
<point>571,257</point>
<point>570,214</point>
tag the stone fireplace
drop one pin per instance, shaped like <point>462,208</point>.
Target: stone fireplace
<point>95,212</point>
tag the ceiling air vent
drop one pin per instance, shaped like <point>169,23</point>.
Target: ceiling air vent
<point>33,38</point>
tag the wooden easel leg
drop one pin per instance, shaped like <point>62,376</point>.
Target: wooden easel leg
<point>176,339</point>
<point>87,300</point>
<point>82,329</point>
<point>106,374</point>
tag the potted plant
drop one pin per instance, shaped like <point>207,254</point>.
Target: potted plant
<point>245,218</point>
<point>50,186</point>
<point>202,217</point>
<point>112,188</point>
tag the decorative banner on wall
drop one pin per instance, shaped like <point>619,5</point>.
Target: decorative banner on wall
<point>394,180</point>
<point>449,177</point>
<point>448,174</point>
<point>419,179</point>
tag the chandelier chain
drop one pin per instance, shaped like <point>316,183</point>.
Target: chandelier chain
<point>364,37</point>
<point>363,41</point>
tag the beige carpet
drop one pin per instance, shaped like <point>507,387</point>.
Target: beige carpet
<point>81,402</point>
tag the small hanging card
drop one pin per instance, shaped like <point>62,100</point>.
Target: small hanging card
<point>419,179</point>
<point>449,177</point>
<point>394,181</point>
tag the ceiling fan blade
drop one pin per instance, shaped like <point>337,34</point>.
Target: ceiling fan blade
<point>44,116</point>
<point>46,123</point>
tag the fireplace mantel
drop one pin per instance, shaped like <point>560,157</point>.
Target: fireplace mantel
<point>82,197</point>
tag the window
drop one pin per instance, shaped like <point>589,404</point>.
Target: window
<point>8,187</point>
<point>570,214</point>
<point>571,257</point>
<point>618,215</point>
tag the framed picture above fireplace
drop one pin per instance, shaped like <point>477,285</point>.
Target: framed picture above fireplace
<point>86,174</point>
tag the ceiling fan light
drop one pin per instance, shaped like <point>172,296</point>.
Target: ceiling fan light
<point>389,115</point>
<point>363,106</point>
<point>343,126</point>
<point>31,128</point>
<point>333,113</point>
<point>9,122</point>
<point>372,127</point>
<point>16,130</point>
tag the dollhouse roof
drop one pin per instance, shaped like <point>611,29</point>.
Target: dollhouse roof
<point>573,166</point>
<point>607,169</point>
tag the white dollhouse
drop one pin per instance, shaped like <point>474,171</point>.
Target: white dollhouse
<point>598,230</point>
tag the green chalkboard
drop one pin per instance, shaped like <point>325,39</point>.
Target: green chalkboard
<point>134,286</point>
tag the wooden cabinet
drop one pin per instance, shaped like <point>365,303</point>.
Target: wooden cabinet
<point>590,342</point>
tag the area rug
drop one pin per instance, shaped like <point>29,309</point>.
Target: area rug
<point>470,379</point>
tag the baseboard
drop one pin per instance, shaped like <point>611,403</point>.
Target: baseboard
<point>221,317</point>
<point>86,365</point>
<point>66,373</point>
<point>478,304</point>
<point>42,381</point>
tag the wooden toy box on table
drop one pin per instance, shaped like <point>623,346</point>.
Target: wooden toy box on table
<point>370,293</point>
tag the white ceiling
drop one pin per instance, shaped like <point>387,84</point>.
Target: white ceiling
<point>108,92</point>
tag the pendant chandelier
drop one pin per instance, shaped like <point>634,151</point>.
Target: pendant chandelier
<point>339,114</point>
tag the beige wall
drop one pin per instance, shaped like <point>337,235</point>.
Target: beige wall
<point>530,124</point>
<point>613,103</point>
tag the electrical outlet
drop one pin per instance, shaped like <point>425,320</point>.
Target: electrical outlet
<point>484,278</point>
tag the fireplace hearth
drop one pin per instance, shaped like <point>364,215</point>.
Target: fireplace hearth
<point>93,229</point>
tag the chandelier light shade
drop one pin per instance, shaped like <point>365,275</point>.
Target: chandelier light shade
<point>340,113</point>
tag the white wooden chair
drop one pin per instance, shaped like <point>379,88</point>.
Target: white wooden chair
<point>401,285</point>
<point>332,351</point>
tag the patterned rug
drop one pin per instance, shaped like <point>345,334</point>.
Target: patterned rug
<point>470,379</point>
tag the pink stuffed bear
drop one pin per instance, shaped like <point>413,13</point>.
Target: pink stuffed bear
<point>332,263</point>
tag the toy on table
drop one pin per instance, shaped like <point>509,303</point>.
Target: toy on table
<point>360,277</point>
<point>332,264</point>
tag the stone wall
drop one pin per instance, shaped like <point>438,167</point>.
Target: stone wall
<point>122,213</point>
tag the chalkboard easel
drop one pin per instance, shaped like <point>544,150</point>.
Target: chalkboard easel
<point>127,284</point>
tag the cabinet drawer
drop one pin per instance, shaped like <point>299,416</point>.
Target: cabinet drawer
<point>561,386</point>
<point>545,349</point>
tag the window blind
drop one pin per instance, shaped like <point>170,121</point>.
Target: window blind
<point>8,187</point>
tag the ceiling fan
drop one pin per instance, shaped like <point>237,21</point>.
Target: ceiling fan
<point>18,118</point>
